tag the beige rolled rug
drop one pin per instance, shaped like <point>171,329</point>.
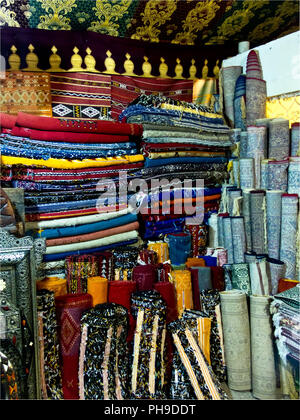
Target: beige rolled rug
<point>262,350</point>
<point>236,331</point>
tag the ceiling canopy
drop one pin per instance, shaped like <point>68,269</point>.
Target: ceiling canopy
<point>183,22</point>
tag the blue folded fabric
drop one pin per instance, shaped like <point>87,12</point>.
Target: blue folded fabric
<point>149,163</point>
<point>62,255</point>
<point>179,247</point>
<point>83,229</point>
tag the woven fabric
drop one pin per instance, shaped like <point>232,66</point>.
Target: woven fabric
<point>54,284</point>
<point>26,92</point>
<point>229,79</point>
<point>228,244</point>
<point>257,149</point>
<point>238,239</point>
<point>246,172</point>
<point>256,95</point>
<point>277,177</point>
<point>199,236</point>
<point>144,276</point>
<point>78,270</point>
<point>184,292</point>
<point>239,103</point>
<point>97,287</point>
<point>80,95</point>
<point>236,329</point>
<point>240,278</point>
<point>69,309</point>
<point>260,278</point>
<point>273,221</point>
<point>179,247</point>
<point>49,346</point>
<point>279,138</point>
<point>295,139</point>
<point>125,89</point>
<point>289,212</point>
<point>294,176</point>
<point>257,218</point>
<point>277,272</point>
<point>103,338</point>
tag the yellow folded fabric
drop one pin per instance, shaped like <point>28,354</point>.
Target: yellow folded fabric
<point>54,284</point>
<point>97,287</point>
<point>162,250</point>
<point>71,164</point>
<point>183,285</point>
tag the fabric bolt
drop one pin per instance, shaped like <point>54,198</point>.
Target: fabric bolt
<point>257,149</point>
<point>246,173</point>
<point>80,95</point>
<point>238,239</point>
<point>147,256</point>
<point>295,139</point>
<point>228,243</point>
<point>217,278</point>
<point>264,380</point>
<point>289,212</point>
<point>260,278</point>
<point>78,269</point>
<point>202,380</point>
<point>119,292</point>
<point>210,304</point>
<point>243,145</point>
<point>256,94</point>
<point>149,359</point>
<point>240,277</point>
<point>103,338</point>
<point>179,247</point>
<point>294,176</point>
<point>276,269</point>
<point>239,102</point>
<point>278,175</point>
<point>69,309</point>
<point>264,174</point>
<point>54,284</point>
<point>86,126</point>
<point>201,280</point>
<point>49,345</point>
<point>168,293</point>
<point>97,287</point>
<point>144,276</point>
<point>227,276</point>
<point>257,218</point>
<point>279,139</point>
<point>162,250</point>
<point>236,328</point>
<point>230,76</point>
<point>199,234</point>
<point>183,284</point>
<point>273,221</point>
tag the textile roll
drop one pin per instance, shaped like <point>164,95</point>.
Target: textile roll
<point>49,346</point>
<point>228,244</point>
<point>69,309</point>
<point>295,139</point>
<point>238,239</point>
<point>221,228</point>
<point>78,269</point>
<point>229,77</point>
<point>147,256</point>
<point>213,230</point>
<point>184,292</point>
<point>246,173</point>
<point>239,103</point>
<point>55,284</point>
<point>276,269</point>
<point>273,221</point>
<point>217,278</point>
<point>240,278</point>
<point>201,280</point>
<point>179,247</point>
<point>210,304</point>
<point>264,381</point>
<point>279,139</point>
<point>253,66</point>
<point>243,144</point>
<point>103,338</point>
<point>149,364</point>
<point>294,176</point>
<point>198,381</point>
<point>289,213</point>
<point>260,278</point>
<point>278,175</point>
<point>221,254</point>
<point>97,287</point>
<point>195,262</point>
<point>119,292</point>
<point>236,172</point>
<point>250,257</point>
<point>163,272</point>
<point>227,276</point>
<point>286,284</point>
<point>264,174</point>
<point>236,330</point>
<point>168,293</point>
<point>247,220</point>
<point>257,218</point>
<point>162,250</point>
<point>232,194</point>
<point>105,265</point>
<point>257,149</point>
<point>199,235</point>
<point>145,276</point>
<point>256,94</point>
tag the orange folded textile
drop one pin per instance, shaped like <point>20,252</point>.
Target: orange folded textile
<point>97,287</point>
<point>54,284</point>
<point>182,280</point>
<point>94,235</point>
<point>195,262</point>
